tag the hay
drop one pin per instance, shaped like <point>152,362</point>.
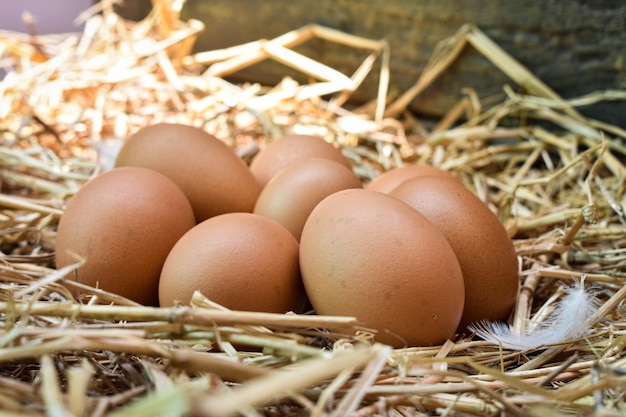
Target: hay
<point>555,179</point>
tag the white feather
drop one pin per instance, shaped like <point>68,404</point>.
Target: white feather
<point>569,320</point>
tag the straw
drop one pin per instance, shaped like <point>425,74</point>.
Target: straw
<point>552,176</point>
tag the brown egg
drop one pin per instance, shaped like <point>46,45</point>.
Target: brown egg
<point>124,223</point>
<point>388,180</point>
<point>243,261</point>
<point>291,195</point>
<point>292,148</point>
<point>481,244</point>
<point>368,255</point>
<point>212,176</point>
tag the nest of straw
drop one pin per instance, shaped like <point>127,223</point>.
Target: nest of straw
<point>555,179</point>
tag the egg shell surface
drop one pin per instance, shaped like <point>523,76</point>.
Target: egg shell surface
<point>290,196</point>
<point>292,148</point>
<point>123,223</point>
<point>212,176</point>
<point>480,242</point>
<point>368,255</point>
<point>388,180</point>
<point>243,261</point>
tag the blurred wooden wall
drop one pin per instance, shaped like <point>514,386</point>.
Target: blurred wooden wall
<point>577,46</point>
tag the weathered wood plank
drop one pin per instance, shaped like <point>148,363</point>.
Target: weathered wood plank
<point>576,47</point>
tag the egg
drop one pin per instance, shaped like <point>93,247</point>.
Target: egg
<point>388,180</point>
<point>368,255</point>
<point>212,176</point>
<point>123,223</point>
<point>292,148</point>
<point>290,196</point>
<point>480,242</point>
<point>243,261</point>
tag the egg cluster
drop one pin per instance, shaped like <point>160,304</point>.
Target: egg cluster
<point>413,254</point>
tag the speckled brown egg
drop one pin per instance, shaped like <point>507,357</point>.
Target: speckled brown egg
<point>368,255</point>
<point>292,148</point>
<point>291,195</point>
<point>243,261</point>
<point>212,176</point>
<point>480,241</point>
<point>123,223</point>
<point>388,180</point>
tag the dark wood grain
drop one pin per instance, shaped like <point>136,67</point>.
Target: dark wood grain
<point>576,47</point>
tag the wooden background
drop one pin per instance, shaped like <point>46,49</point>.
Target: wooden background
<point>577,46</point>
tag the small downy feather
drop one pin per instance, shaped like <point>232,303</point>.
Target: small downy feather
<point>569,320</point>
